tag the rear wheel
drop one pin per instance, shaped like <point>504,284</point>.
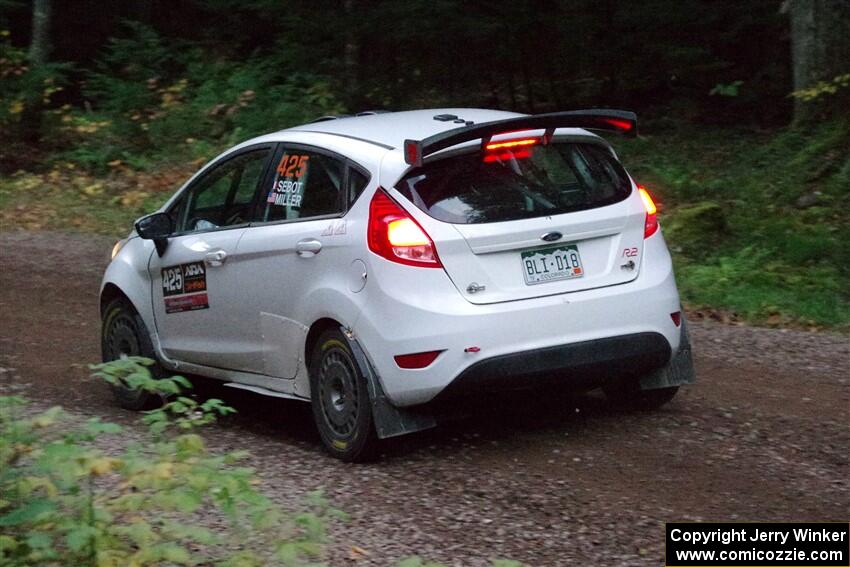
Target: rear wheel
<point>340,398</point>
<point>629,395</point>
<point>124,334</point>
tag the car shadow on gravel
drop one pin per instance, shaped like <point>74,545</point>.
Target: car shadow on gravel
<point>502,418</point>
<point>290,421</point>
<point>497,418</point>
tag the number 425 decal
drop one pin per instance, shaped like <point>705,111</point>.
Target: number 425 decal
<point>172,280</point>
<point>292,165</point>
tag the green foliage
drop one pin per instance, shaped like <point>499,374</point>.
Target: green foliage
<point>697,229</point>
<point>730,89</point>
<point>65,501</point>
<point>154,99</point>
<point>823,89</point>
<point>25,91</point>
<point>204,75</point>
<point>757,223</point>
<point>163,500</point>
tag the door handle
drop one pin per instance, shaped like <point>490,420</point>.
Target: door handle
<point>216,258</point>
<point>308,247</point>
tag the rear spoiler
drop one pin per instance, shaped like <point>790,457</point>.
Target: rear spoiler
<point>620,121</point>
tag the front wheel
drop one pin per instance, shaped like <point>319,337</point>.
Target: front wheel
<point>124,334</point>
<point>340,399</point>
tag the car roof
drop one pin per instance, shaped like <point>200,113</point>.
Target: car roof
<point>391,129</point>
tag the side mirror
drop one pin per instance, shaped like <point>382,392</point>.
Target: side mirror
<point>156,227</point>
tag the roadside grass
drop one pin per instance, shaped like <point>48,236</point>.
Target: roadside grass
<point>757,222</point>
<point>67,198</point>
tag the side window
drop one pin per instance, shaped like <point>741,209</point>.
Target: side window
<point>249,178</point>
<point>223,196</point>
<point>357,182</point>
<point>306,184</point>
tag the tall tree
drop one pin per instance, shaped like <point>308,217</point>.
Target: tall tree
<point>350,57</point>
<point>40,46</point>
<point>820,50</point>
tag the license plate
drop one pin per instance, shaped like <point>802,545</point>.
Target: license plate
<point>543,265</point>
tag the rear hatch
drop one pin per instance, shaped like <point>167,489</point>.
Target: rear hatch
<point>521,220</point>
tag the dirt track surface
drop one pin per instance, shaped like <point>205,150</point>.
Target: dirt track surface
<point>763,436</point>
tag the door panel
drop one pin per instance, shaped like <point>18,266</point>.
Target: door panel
<point>280,277</point>
<point>194,283</point>
<point>298,246</point>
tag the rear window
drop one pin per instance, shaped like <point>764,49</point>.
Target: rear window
<point>519,183</point>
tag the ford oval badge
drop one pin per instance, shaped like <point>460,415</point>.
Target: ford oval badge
<point>551,236</point>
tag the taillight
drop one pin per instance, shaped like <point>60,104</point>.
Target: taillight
<point>651,224</point>
<point>394,235</point>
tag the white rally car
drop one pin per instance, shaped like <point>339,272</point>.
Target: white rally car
<point>374,264</point>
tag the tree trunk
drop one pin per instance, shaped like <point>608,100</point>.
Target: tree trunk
<point>820,50</point>
<point>39,49</point>
<point>351,53</point>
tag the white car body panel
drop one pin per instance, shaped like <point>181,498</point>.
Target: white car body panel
<point>255,329</point>
<point>128,272</point>
<point>445,320</point>
<point>210,336</point>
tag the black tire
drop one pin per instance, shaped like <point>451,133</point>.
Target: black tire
<point>124,333</point>
<point>339,395</point>
<point>628,395</point>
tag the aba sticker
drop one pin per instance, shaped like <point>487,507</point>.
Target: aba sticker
<point>184,287</point>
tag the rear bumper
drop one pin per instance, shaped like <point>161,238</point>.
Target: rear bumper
<point>583,363</point>
<point>412,310</point>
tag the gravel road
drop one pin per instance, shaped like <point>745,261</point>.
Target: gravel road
<point>763,436</point>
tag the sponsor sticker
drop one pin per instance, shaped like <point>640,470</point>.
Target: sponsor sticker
<point>184,287</point>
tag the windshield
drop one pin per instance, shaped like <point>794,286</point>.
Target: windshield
<point>518,183</point>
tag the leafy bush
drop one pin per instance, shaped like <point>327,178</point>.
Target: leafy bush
<point>24,90</point>
<point>161,500</point>
<point>65,501</point>
<point>151,98</point>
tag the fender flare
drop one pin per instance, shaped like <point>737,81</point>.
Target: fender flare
<point>390,420</point>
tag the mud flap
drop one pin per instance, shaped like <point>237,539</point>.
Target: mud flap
<point>390,421</point>
<point>680,369</point>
